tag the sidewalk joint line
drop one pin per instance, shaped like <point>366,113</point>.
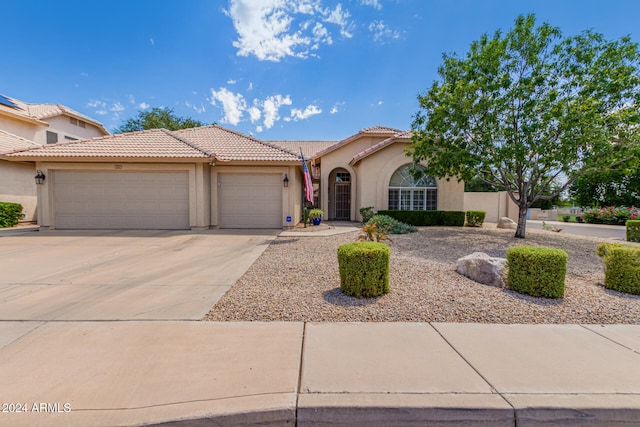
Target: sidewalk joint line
<point>609,339</point>
<point>299,390</point>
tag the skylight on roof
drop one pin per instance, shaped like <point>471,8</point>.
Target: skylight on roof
<point>5,101</point>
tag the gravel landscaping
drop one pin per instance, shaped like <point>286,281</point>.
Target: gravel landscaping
<point>296,279</point>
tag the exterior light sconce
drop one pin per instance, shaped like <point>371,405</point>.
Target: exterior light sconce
<point>285,181</point>
<point>39,177</point>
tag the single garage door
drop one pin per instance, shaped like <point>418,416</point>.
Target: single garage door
<point>250,201</point>
<point>121,200</point>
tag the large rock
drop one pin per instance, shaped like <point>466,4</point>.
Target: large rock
<point>506,222</point>
<point>482,268</point>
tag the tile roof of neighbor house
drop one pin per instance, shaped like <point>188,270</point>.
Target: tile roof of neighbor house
<point>10,143</point>
<point>407,135</point>
<point>309,148</point>
<point>41,112</point>
<point>227,145</point>
<point>207,142</point>
<point>374,130</point>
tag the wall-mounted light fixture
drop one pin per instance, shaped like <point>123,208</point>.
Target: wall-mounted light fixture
<point>39,177</point>
<point>285,181</point>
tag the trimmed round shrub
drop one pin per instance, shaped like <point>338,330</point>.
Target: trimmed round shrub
<point>622,267</point>
<point>390,225</point>
<point>633,230</point>
<point>537,271</point>
<point>475,218</point>
<point>364,269</point>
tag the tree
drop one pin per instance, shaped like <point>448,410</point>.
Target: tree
<point>530,109</point>
<point>608,188</point>
<point>157,118</point>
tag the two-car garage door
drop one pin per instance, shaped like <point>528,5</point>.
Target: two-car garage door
<point>121,200</point>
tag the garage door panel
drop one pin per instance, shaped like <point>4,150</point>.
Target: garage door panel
<point>121,200</point>
<point>250,200</point>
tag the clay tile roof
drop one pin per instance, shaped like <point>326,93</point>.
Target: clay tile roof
<point>228,145</point>
<point>309,148</point>
<point>40,112</point>
<point>375,130</point>
<point>10,143</point>
<point>406,135</point>
<point>156,143</point>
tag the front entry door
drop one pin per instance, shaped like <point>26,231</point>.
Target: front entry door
<point>343,201</point>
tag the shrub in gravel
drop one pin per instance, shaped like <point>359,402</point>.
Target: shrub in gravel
<point>366,213</point>
<point>475,218</point>
<point>537,271</point>
<point>390,225</point>
<point>633,230</point>
<point>10,214</point>
<point>622,267</point>
<point>364,269</point>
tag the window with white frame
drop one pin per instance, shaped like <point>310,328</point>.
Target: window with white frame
<point>408,193</point>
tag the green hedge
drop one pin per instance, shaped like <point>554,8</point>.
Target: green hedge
<point>426,218</point>
<point>475,218</point>
<point>537,271</point>
<point>622,267</point>
<point>10,214</point>
<point>364,269</point>
<point>633,230</point>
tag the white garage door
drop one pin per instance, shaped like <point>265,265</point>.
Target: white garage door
<point>121,200</point>
<point>250,201</point>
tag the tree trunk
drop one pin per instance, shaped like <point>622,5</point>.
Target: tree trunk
<point>522,221</point>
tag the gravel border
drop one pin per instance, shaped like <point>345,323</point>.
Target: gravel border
<point>296,279</point>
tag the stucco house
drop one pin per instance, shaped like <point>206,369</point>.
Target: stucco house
<point>24,126</point>
<point>215,177</point>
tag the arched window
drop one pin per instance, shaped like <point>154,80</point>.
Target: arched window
<point>406,193</point>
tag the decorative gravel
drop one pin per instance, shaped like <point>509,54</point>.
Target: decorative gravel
<point>296,279</point>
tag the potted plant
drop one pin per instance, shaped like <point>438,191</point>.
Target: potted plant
<point>316,216</point>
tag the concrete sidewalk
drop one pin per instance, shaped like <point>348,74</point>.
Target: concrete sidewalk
<point>318,374</point>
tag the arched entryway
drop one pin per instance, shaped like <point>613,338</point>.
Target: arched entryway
<point>340,195</point>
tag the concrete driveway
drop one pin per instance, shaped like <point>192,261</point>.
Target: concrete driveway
<point>122,275</point>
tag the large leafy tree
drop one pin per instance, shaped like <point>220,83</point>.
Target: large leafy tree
<point>157,118</point>
<point>608,188</point>
<point>530,111</point>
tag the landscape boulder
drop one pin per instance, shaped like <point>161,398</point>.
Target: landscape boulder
<point>508,223</point>
<point>483,268</point>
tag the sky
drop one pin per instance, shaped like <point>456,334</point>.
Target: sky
<point>274,69</point>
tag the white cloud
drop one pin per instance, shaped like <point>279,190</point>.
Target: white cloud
<point>231,82</point>
<point>254,112</point>
<point>143,106</point>
<point>96,103</point>
<point>233,105</point>
<point>382,32</point>
<point>259,129</point>
<point>271,107</point>
<point>250,87</point>
<point>83,74</point>
<point>373,3</point>
<point>131,99</point>
<point>274,29</point>
<point>311,110</point>
<point>152,41</point>
<point>198,109</point>
<point>116,107</point>
<point>101,112</point>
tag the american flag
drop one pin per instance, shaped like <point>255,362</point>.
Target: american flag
<point>308,186</point>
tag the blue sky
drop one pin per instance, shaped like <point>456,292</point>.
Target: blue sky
<point>276,69</point>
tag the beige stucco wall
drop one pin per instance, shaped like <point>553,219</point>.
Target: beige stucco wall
<point>17,185</point>
<point>21,128</point>
<point>371,175</point>
<point>62,126</point>
<point>496,205</point>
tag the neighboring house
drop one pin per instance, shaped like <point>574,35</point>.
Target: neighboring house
<point>46,123</point>
<point>17,184</point>
<point>215,177</point>
<point>24,126</point>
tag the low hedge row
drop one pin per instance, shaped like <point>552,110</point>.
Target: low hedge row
<point>425,218</point>
<point>364,269</point>
<point>537,271</point>
<point>621,267</point>
<point>633,230</point>
<point>10,214</point>
<point>475,218</point>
